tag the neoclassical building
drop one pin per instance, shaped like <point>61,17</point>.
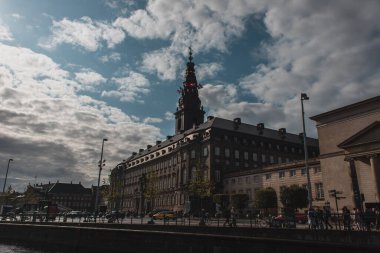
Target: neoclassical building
<point>349,139</point>
<point>214,148</point>
<point>277,176</point>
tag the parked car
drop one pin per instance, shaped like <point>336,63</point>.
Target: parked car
<point>165,215</point>
<point>74,214</point>
<point>301,218</point>
<point>153,212</point>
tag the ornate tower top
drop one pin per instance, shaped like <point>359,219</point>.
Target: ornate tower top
<point>190,111</point>
<point>190,78</point>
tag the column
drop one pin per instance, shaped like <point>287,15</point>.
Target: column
<point>375,167</point>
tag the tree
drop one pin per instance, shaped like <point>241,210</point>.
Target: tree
<point>30,197</point>
<point>266,198</point>
<point>150,190</point>
<point>294,197</point>
<point>222,199</point>
<point>111,190</point>
<point>199,186</point>
<point>239,201</point>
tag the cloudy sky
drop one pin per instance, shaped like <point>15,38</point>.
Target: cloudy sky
<point>73,72</point>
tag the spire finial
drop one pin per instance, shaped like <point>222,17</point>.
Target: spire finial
<point>190,54</point>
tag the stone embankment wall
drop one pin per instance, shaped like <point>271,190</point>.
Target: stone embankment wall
<point>135,239</point>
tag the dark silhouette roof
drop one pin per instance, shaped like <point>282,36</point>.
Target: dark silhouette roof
<point>65,188</point>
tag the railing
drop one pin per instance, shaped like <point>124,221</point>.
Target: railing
<point>336,222</point>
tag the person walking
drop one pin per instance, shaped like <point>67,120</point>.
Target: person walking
<point>233,217</point>
<point>346,218</point>
<point>311,216</point>
<point>227,215</point>
<point>377,213</point>
<point>326,217</point>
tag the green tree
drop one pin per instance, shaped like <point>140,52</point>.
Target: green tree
<point>30,196</point>
<point>222,199</point>
<point>294,197</point>
<point>239,201</point>
<point>266,198</point>
<point>112,190</point>
<point>151,190</point>
<point>199,186</point>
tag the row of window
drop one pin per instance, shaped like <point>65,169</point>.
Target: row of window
<point>267,176</point>
<point>244,141</point>
<point>319,194</point>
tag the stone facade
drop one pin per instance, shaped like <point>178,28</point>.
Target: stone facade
<point>349,139</point>
<point>277,176</point>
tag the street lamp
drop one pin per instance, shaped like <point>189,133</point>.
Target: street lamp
<point>101,164</point>
<point>309,195</point>
<point>6,174</point>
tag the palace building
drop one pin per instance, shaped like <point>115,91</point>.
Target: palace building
<point>158,176</point>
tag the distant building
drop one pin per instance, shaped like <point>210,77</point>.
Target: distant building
<point>349,139</point>
<point>215,148</point>
<point>66,195</point>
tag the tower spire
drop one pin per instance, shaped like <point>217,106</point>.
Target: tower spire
<point>190,78</point>
<point>190,110</point>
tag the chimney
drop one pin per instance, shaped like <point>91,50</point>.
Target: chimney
<point>158,142</point>
<point>149,146</point>
<point>282,132</point>
<point>141,150</point>
<point>237,123</point>
<point>168,137</point>
<point>210,117</point>
<point>260,128</point>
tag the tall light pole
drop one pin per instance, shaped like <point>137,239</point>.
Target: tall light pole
<point>309,195</point>
<point>100,171</point>
<point>6,174</point>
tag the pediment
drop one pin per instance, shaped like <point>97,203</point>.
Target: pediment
<point>367,136</point>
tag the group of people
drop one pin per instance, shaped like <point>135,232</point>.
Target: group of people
<point>367,220</point>
<point>319,218</point>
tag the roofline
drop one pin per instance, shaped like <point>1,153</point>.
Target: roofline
<point>345,108</point>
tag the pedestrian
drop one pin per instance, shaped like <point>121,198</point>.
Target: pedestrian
<point>346,218</point>
<point>227,215</point>
<point>233,217</point>
<point>311,216</point>
<point>377,213</point>
<point>319,219</point>
<point>326,217</point>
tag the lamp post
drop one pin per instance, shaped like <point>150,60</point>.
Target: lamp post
<point>6,174</point>
<point>100,170</point>
<point>309,195</point>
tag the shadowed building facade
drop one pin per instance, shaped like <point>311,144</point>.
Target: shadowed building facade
<point>158,176</point>
<point>349,139</point>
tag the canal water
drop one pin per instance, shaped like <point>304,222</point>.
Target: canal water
<point>8,248</point>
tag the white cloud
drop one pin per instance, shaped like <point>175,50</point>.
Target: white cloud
<point>329,50</point>
<point>84,32</point>
<point>17,16</point>
<point>114,57</point>
<point>208,70</point>
<point>164,62</point>
<point>88,78</point>
<point>5,34</point>
<point>150,120</point>
<point>130,87</point>
<point>169,116</point>
<point>205,25</point>
<point>222,101</point>
<point>54,133</point>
